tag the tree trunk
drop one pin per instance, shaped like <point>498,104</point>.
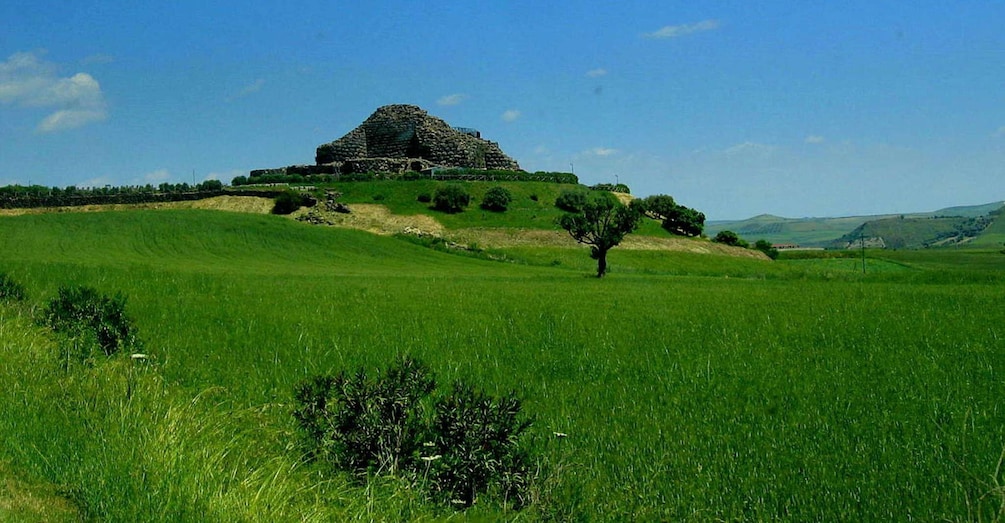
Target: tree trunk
<point>601,262</point>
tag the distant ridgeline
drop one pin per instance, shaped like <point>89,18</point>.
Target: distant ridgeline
<point>36,196</point>
<point>913,233</point>
<point>404,142</point>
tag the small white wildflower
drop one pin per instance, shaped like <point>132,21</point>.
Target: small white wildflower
<point>431,458</point>
<point>560,435</point>
<point>138,356</point>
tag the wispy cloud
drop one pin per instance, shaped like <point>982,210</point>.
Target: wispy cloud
<point>596,73</point>
<point>1000,133</point>
<point>452,99</point>
<point>750,149</point>
<point>27,81</point>
<point>158,176</point>
<point>251,88</point>
<point>511,115</point>
<point>603,151</point>
<point>98,59</point>
<point>226,176</point>
<point>814,138</point>
<point>675,31</point>
<point>100,181</point>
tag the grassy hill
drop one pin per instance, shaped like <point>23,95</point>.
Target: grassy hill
<point>824,232</point>
<point>719,387</point>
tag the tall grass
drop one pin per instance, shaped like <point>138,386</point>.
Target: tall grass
<point>776,393</point>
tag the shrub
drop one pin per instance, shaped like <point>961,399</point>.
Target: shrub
<point>765,247</point>
<point>475,436</point>
<point>424,197</point>
<point>496,199</point>
<point>84,312</point>
<point>571,201</point>
<point>729,238</point>
<point>451,199</point>
<point>466,445</point>
<point>365,425</point>
<point>287,202</point>
<point>10,290</point>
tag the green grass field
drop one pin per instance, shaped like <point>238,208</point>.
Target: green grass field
<point>691,387</point>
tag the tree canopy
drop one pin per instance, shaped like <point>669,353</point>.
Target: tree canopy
<point>602,224</point>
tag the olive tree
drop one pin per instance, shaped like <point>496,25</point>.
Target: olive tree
<point>602,224</point>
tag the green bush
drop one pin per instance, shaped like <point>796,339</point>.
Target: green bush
<point>730,238</point>
<point>497,199</point>
<point>766,247</point>
<point>11,290</point>
<point>82,312</point>
<point>424,197</point>
<point>571,201</point>
<point>287,203</point>
<point>466,445</point>
<point>451,198</point>
<point>363,425</point>
<point>475,437</point>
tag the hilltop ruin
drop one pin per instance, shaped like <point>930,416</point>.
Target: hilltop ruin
<point>399,138</point>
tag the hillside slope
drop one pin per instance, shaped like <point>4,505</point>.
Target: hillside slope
<point>824,232</point>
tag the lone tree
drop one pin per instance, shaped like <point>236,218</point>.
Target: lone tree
<point>602,225</point>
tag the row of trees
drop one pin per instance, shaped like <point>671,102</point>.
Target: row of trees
<point>33,196</point>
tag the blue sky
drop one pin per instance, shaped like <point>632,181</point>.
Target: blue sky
<point>734,108</point>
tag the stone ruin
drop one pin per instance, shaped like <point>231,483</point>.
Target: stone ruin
<point>400,138</point>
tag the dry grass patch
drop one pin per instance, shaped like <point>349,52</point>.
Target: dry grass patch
<point>20,501</point>
<point>247,204</point>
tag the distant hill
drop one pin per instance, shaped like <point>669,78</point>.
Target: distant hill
<point>825,232</point>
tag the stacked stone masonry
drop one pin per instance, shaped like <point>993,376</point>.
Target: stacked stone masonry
<point>406,132</point>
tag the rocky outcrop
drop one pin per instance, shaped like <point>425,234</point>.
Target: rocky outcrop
<point>405,137</point>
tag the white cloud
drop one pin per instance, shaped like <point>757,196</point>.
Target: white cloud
<point>27,81</point>
<point>511,115</point>
<point>814,138</point>
<point>674,31</point>
<point>541,149</point>
<point>603,151</point>
<point>596,73</point>
<point>452,99</point>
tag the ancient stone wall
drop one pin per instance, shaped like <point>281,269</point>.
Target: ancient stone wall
<point>407,131</point>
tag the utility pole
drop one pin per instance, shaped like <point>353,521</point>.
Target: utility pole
<point>861,236</point>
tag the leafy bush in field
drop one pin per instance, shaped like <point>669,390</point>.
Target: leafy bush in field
<point>365,425</point>
<point>676,218</point>
<point>475,436</point>
<point>497,199</point>
<point>82,312</point>
<point>424,197</point>
<point>10,290</point>
<point>765,247</point>
<point>571,201</point>
<point>466,445</point>
<point>287,203</point>
<point>451,199</point>
<point>730,238</point>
